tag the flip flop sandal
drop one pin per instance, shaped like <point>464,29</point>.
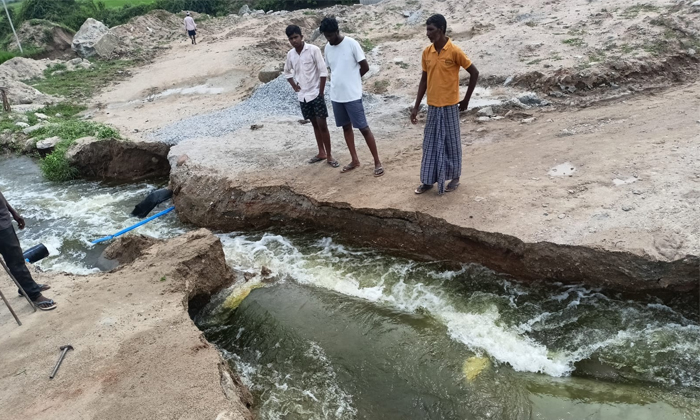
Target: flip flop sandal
<point>45,305</point>
<point>451,187</point>
<point>422,188</point>
<point>42,288</point>
<point>348,168</point>
<point>378,171</point>
<point>334,163</point>
<point>316,159</point>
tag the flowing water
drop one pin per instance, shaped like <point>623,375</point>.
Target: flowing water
<point>334,332</point>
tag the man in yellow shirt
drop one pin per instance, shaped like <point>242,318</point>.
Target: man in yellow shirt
<point>442,147</point>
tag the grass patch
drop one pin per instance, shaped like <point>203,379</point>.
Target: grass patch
<point>54,166</point>
<point>29,52</point>
<point>367,45</point>
<point>574,42</point>
<point>82,83</point>
<point>113,4</point>
<point>535,61</point>
<point>634,11</point>
<point>65,109</point>
<point>381,86</point>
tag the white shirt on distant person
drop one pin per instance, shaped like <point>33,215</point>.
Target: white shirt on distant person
<point>189,24</point>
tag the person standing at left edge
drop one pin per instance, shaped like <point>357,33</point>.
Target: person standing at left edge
<point>191,28</point>
<point>306,72</point>
<point>12,254</point>
<point>442,145</point>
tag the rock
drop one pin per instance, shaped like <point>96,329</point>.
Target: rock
<point>315,34</point>
<point>483,119</point>
<point>270,72</point>
<point>94,38</point>
<point>691,51</point>
<point>695,4</point>
<point>487,111</point>
<point>182,160</point>
<point>21,124</point>
<point>562,216</point>
<point>626,208</point>
<point>48,143</point>
<point>527,120</point>
<point>244,9</point>
<point>119,159</point>
<point>41,116</point>
<point>256,126</point>
<point>529,98</point>
<point>29,146</point>
<point>406,14</point>
<point>508,81</point>
<point>75,61</point>
<point>30,130</point>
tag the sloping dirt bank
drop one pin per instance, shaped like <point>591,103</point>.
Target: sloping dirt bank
<point>137,353</point>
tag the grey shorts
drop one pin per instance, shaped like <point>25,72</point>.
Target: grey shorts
<point>350,112</point>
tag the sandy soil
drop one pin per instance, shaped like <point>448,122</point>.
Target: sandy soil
<point>137,353</point>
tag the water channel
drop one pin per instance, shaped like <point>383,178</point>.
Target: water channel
<point>336,332</point>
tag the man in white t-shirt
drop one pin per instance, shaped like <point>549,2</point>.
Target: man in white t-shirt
<point>347,62</point>
<point>191,28</point>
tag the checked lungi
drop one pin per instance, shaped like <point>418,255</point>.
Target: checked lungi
<point>442,147</point>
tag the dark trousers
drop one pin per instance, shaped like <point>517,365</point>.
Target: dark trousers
<point>12,254</point>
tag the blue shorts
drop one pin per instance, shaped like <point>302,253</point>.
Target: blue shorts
<point>350,112</point>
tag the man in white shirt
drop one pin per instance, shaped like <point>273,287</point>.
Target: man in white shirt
<point>348,64</point>
<point>306,71</point>
<point>191,28</point>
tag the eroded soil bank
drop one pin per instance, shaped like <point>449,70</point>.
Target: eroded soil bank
<point>137,352</point>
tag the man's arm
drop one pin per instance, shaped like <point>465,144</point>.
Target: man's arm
<point>13,212</point>
<point>364,67</point>
<point>422,88</point>
<point>288,67</point>
<point>473,77</point>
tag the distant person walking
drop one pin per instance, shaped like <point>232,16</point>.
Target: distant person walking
<point>306,71</point>
<point>12,254</point>
<point>442,146</point>
<point>191,28</point>
<point>348,64</point>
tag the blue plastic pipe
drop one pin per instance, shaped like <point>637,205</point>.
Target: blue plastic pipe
<point>143,222</point>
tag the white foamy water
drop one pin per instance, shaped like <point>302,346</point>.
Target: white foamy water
<point>506,326</point>
<point>66,217</point>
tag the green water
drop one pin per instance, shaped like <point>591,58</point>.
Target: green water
<point>344,333</point>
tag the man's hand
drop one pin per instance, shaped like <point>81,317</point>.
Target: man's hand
<point>19,220</point>
<point>414,115</point>
<point>463,105</point>
<point>296,87</point>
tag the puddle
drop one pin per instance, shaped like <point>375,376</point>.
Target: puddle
<point>566,168</point>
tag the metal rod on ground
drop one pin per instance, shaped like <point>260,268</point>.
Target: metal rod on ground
<point>12,26</point>
<point>7,269</point>
<point>123,231</point>
<point>10,308</point>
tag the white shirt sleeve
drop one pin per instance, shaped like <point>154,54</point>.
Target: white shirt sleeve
<point>357,51</point>
<point>320,63</point>
<point>288,67</point>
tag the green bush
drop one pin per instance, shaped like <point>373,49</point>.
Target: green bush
<point>54,166</point>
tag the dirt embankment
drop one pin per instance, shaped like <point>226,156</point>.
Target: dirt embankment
<point>137,354</point>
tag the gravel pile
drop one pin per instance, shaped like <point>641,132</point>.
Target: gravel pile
<point>273,99</point>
